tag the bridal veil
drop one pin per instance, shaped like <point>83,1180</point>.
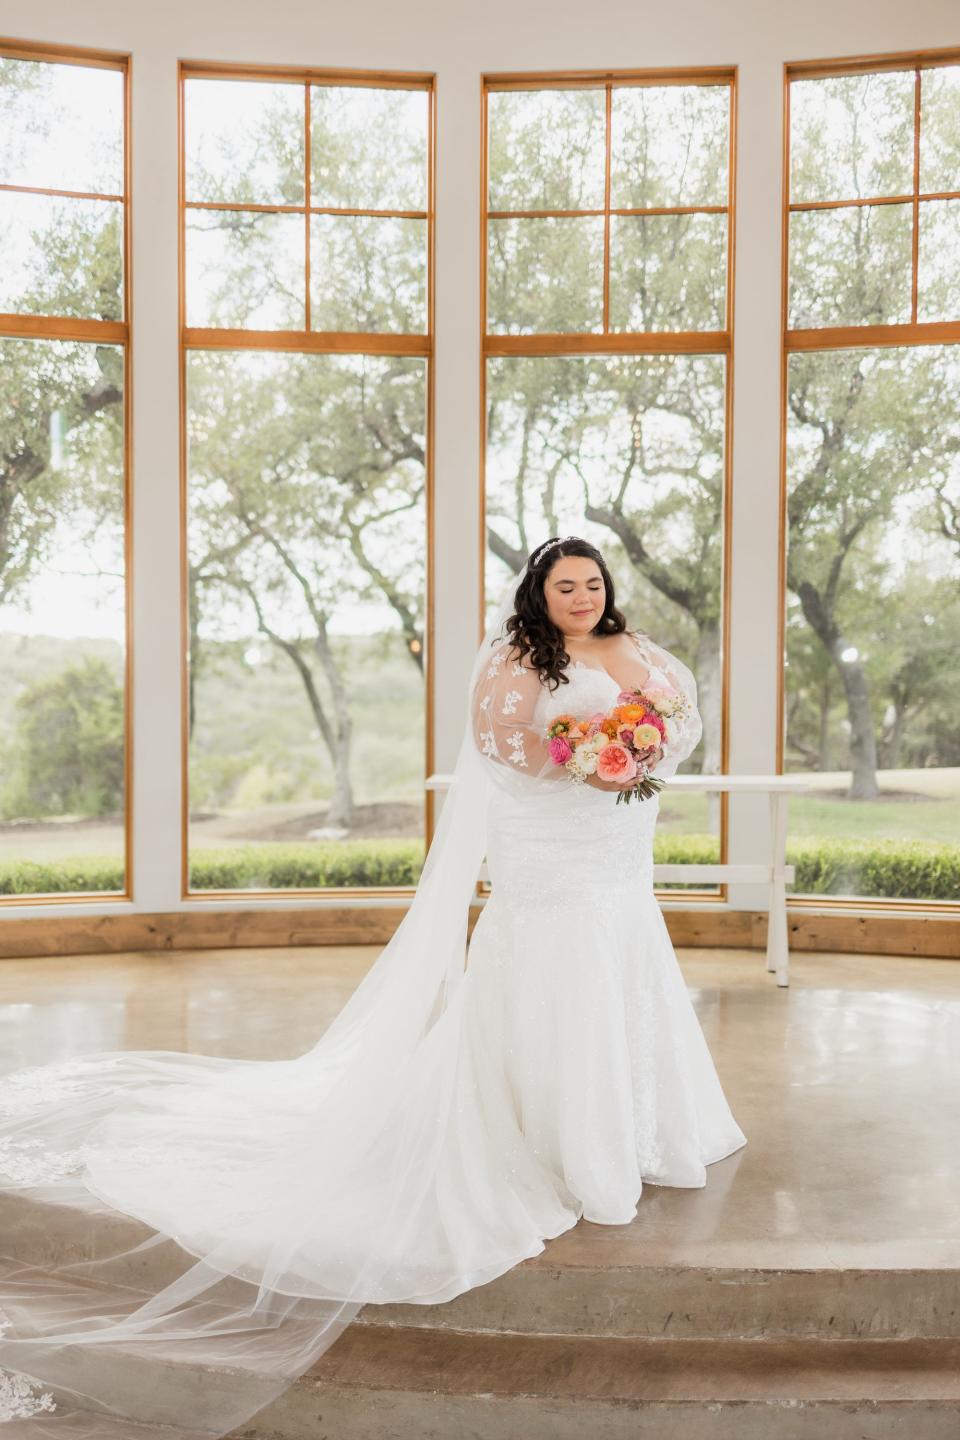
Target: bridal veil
<point>274,1198</point>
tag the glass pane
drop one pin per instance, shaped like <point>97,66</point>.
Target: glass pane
<point>938,278</point>
<point>62,126</point>
<point>243,142</point>
<point>245,268</point>
<point>873,612</point>
<point>368,148</point>
<point>547,149</point>
<point>62,612</point>
<point>545,275</point>
<point>670,145</point>
<point>637,443</point>
<point>667,272</point>
<point>61,256</point>
<point>851,266</point>
<point>940,128</point>
<point>368,273</point>
<point>851,136</point>
<point>307,555</point>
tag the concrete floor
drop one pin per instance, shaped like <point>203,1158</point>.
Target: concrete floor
<point>847,1086</point>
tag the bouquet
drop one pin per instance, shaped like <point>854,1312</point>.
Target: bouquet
<point>619,744</point>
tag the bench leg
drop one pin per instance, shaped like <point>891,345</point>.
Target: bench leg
<point>778,948</point>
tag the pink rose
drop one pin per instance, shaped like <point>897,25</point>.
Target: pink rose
<point>615,762</point>
<point>650,717</point>
<point>560,750</point>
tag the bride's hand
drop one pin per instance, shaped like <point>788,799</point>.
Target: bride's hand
<point>615,785</point>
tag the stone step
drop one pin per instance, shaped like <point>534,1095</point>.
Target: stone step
<point>583,1288</point>
<point>391,1383</point>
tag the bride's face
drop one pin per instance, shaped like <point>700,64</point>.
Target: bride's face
<point>575,594</point>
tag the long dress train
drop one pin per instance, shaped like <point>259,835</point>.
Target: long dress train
<point>452,1119</point>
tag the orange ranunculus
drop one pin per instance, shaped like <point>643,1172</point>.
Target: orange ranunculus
<point>562,724</point>
<point>646,737</point>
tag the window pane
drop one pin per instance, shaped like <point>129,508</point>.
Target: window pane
<point>61,256</point>
<point>62,607</point>
<point>850,266</point>
<point>307,554</point>
<point>245,268</point>
<point>545,275</point>
<point>368,148</point>
<point>873,612</point>
<point>243,142</point>
<point>667,272</point>
<point>62,126</point>
<point>940,128</point>
<point>938,282</point>
<point>851,136</point>
<point>546,149</point>
<point>669,145</point>
<point>368,273</point>
<point>637,444</point>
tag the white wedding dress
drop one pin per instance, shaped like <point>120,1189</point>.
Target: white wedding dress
<point>452,1120</point>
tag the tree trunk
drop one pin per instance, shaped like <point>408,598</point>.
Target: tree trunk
<point>863,741</point>
<point>709,703</point>
<point>823,746</point>
<point>341,801</point>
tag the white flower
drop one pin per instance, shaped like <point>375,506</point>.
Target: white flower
<point>585,759</point>
<point>519,755</point>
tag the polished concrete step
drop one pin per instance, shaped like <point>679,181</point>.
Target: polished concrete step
<point>585,1283</point>
<point>387,1383</point>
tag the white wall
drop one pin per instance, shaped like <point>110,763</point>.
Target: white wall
<point>458,42</point>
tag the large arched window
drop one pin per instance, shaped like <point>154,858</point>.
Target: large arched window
<point>607,347</point>
<point>307,337</point>
<point>64,405</point>
<point>872,477</point>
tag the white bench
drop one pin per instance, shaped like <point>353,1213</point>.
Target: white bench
<point>775,873</point>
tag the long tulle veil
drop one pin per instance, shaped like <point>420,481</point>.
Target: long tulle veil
<point>271,1200</point>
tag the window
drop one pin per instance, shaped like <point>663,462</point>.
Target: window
<point>64,653</point>
<point>607,348</point>
<point>872,479</point>
<point>307,344</point>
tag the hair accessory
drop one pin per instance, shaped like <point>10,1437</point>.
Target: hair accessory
<point>549,546</point>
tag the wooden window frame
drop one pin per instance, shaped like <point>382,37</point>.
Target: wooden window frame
<point>847,337</point>
<point>308,342</point>
<point>660,342</point>
<point>14,325</point>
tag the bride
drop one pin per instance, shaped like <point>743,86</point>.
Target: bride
<point>469,1102</point>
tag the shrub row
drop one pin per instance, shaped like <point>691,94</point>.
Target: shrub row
<point>886,869</point>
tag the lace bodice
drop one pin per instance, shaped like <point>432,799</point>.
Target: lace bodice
<point>510,706</point>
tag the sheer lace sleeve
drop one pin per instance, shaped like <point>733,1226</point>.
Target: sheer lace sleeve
<point>503,708</point>
<point>685,727</point>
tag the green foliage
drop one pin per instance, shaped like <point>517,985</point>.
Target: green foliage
<point>78,875</point>
<point>885,869</point>
<point>68,749</point>
<point>339,863</point>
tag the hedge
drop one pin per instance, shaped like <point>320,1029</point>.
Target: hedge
<point>886,869</point>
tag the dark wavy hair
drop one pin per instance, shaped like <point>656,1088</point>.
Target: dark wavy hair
<point>530,628</point>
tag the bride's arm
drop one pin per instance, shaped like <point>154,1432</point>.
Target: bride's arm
<point>503,706</point>
<point>683,730</point>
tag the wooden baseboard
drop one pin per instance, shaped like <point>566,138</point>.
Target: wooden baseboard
<point>932,936</point>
